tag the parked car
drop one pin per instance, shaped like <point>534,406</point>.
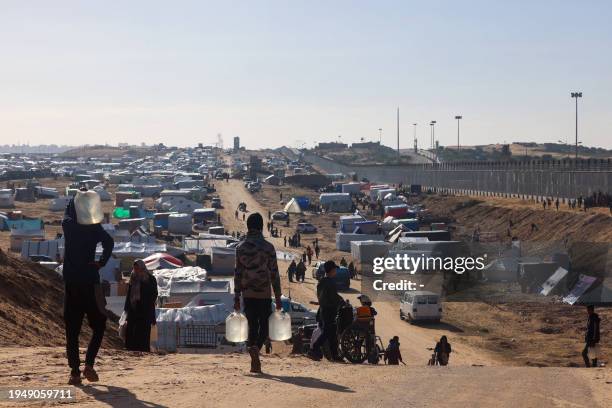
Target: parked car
<point>215,202</point>
<point>306,227</point>
<point>420,305</point>
<point>342,279</point>
<point>300,314</point>
<point>280,215</point>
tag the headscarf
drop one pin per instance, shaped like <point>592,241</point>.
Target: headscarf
<point>136,280</point>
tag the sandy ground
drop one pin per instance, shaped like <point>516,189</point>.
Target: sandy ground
<point>180,380</point>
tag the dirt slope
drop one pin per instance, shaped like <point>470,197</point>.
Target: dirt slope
<point>31,307</point>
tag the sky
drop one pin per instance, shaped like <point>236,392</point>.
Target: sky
<point>300,72</point>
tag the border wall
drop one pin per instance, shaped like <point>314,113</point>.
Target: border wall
<point>553,178</point>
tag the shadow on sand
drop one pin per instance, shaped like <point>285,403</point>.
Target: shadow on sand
<point>439,326</point>
<point>116,396</point>
<point>307,382</point>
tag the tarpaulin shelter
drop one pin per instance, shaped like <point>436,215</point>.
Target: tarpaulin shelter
<point>293,207</point>
<point>162,261</point>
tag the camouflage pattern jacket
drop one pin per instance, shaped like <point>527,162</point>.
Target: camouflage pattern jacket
<point>256,268</point>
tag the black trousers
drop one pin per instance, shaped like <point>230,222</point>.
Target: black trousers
<point>329,334</point>
<point>138,335</point>
<point>257,312</point>
<point>81,300</point>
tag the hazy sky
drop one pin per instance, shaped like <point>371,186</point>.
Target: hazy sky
<point>278,72</point>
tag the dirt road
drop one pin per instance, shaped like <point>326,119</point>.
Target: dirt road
<point>184,380</point>
<point>414,339</point>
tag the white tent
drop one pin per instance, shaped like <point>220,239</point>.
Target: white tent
<point>293,207</point>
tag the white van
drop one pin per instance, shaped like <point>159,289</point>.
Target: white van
<point>420,305</point>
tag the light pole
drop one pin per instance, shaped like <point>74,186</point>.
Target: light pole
<point>416,145</point>
<point>576,95</point>
<point>379,135</point>
<point>433,134</point>
<point>458,117</point>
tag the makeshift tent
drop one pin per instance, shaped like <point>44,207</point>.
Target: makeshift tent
<point>272,180</point>
<point>366,227</point>
<point>293,207</point>
<point>336,202</point>
<point>162,261</point>
<point>223,260</point>
<point>59,203</point>
<point>166,278</point>
<point>49,248</point>
<point>397,210</point>
<point>121,213</point>
<point>179,224</point>
<point>343,240</point>
<point>134,250</point>
<point>304,202</point>
<point>19,236</point>
<point>104,195</point>
<point>351,188</point>
<point>46,192</point>
<point>6,199</point>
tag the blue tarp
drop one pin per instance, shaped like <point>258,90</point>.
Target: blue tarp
<point>304,202</point>
<point>24,224</point>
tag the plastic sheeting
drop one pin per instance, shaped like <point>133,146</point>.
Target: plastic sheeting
<point>167,277</point>
<point>135,249</point>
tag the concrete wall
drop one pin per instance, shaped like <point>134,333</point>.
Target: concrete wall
<point>538,178</point>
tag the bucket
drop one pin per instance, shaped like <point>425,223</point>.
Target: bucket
<point>88,207</point>
<point>236,328</point>
<point>280,326</point>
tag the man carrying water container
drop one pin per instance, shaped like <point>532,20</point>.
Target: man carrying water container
<point>256,273</point>
<point>83,292</point>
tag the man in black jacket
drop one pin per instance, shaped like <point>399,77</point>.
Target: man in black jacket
<point>591,337</point>
<point>83,292</point>
<point>329,302</point>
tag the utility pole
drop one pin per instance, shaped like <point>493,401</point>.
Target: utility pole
<point>576,95</point>
<point>416,144</point>
<point>458,117</point>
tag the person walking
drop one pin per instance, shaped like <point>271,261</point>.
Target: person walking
<point>591,338</point>
<point>309,254</point>
<point>300,271</point>
<point>329,302</point>
<point>317,250</point>
<point>442,351</point>
<point>83,293</point>
<point>255,277</point>
<point>140,307</point>
<point>291,270</point>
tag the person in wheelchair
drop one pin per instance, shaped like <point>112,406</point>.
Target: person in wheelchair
<point>365,313</point>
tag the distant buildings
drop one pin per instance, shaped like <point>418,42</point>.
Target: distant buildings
<point>236,143</point>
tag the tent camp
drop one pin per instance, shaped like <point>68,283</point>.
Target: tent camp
<point>293,207</point>
<point>59,203</point>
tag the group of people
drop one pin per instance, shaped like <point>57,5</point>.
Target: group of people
<point>296,271</point>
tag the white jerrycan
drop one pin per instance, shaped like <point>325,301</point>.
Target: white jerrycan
<point>279,326</point>
<point>88,207</point>
<point>236,328</point>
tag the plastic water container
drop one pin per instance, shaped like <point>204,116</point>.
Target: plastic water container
<point>153,339</point>
<point>88,207</point>
<point>236,328</point>
<point>280,326</point>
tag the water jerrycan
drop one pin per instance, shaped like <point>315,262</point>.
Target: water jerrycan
<point>236,328</point>
<point>153,338</point>
<point>280,326</point>
<point>88,207</point>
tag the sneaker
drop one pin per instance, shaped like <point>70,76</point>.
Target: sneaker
<point>90,374</point>
<point>75,379</point>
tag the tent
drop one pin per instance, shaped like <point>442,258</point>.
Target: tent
<point>104,195</point>
<point>293,207</point>
<point>59,203</point>
<point>121,213</point>
<point>272,180</point>
<point>162,261</point>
